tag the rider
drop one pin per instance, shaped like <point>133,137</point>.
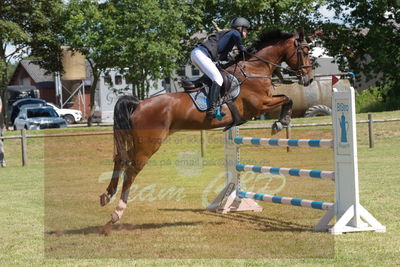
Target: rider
<point>2,159</point>
<point>216,48</point>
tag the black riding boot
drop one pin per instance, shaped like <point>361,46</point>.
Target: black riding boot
<point>214,96</point>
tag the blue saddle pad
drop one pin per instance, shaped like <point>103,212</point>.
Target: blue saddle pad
<point>200,97</point>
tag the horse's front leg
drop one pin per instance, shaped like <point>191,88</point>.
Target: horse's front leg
<point>285,116</point>
<point>286,111</point>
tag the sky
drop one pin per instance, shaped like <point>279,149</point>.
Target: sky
<point>328,14</point>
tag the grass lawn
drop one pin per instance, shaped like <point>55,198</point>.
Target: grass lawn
<point>49,211</point>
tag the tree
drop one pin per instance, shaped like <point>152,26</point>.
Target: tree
<point>90,29</point>
<point>287,15</point>
<point>366,39</point>
<point>142,39</point>
<point>152,36</point>
<point>29,27</point>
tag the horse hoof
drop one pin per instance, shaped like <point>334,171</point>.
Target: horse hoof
<point>276,127</point>
<point>104,199</point>
<point>114,217</point>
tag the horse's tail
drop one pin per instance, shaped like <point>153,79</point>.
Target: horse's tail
<point>123,142</point>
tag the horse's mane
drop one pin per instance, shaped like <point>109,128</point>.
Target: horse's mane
<point>270,37</point>
<point>264,39</point>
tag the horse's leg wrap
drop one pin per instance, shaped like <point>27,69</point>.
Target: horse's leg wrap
<point>286,112</point>
<point>119,210</point>
<point>104,199</point>
<point>111,189</point>
<point>284,117</point>
<point>130,172</point>
<point>125,189</point>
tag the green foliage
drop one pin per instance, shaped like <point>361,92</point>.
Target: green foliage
<point>31,27</point>
<point>151,35</point>
<point>288,15</point>
<point>370,100</point>
<point>391,94</point>
<point>90,30</point>
<point>377,99</point>
<point>142,39</point>
<point>366,39</point>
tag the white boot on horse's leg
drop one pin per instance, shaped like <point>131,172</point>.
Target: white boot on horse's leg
<point>117,213</point>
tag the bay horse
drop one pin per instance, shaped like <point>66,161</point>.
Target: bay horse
<point>140,127</point>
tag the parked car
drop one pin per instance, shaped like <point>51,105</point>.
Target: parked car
<point>17,92</point>
<point>16,106</point>
<point>33,117</point>
<point>70,115</point>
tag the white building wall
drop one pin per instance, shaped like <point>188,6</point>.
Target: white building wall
<point>107,94</point>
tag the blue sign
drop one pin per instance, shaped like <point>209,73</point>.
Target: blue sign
<point>344,125</point>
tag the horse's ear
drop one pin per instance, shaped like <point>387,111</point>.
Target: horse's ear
<point>301,34</point>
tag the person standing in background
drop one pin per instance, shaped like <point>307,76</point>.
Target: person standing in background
<point>2,159</point>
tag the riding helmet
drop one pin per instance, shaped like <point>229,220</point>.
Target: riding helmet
<point>240,22</point>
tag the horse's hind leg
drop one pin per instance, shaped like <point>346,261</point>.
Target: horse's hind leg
<point>130,175</point>
<point>144,149</point>
<point>112,187</point>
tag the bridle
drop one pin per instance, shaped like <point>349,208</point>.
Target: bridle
<point>300,44</point>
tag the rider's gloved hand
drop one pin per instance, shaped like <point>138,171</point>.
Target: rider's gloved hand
<point>251,50</point>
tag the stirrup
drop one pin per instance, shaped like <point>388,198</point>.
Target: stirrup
<point>219,114</point>
<point>211,113</point>
<point>215,113</point>
<point>189,84</point>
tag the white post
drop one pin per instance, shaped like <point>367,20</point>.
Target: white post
<point>348,210</point>
<point>227,199</point>
<point>57,78</point>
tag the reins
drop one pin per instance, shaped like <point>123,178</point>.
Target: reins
<point>247,76</point>
<point>296,72</point>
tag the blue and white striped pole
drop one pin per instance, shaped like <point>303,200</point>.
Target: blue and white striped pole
<point>287,200</point>
<point>328,143</point>
<point>330,175</point>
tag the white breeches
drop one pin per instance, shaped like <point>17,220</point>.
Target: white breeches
<point>206,65</point>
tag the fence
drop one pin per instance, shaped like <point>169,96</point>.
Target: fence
<point>203,139</point>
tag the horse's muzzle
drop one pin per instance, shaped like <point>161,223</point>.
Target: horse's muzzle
<point>305,80</point>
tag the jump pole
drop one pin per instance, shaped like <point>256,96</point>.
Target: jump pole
<point>350,215</point>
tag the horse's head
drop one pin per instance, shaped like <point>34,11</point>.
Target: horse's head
<point>298,58</point>
<point>276,46</point>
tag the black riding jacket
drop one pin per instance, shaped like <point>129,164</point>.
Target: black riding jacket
<point>221,43</point>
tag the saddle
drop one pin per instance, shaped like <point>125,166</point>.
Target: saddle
<point>198,90</point>
<point>190,85</point>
